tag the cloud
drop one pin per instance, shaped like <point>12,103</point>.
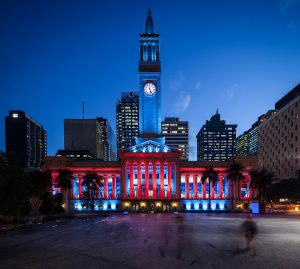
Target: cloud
<point>284,5</point>
<point>182,103</point>
<point>231,92</point>
<point>198,85</point>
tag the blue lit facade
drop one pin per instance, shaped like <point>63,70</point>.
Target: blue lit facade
<point>149,74</point>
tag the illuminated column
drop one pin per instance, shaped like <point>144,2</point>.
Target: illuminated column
<point>139,181</point>
<point>131,180</point>
<point>113,187</point>
<point>161,180</point>
<point>187,187</point>
<point>80,186</point>
<point>221,186</point>
<point>105,186</point>
<point>212,189</point>
<point>154,179</point>
<point>146,180</point>
<point>169,180</point>
<point>250,189</point>
<point>204,189</point>
<point>195,187</point>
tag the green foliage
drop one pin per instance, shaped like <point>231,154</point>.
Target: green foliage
<point>51,204</point>
<point>92,181</point>
<point>261,182</point>
<point>212,177</point>
<point>14,188</point>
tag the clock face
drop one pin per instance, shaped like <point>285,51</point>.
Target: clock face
<point>149,88</point>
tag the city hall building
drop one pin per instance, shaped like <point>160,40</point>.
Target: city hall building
<point>150,176</point>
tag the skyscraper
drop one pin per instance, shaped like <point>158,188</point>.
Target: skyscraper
<point>127,109</point>
<point>84,134</point>
<point>26,138</point>
<point>95,135</point>
<point>279,136</point>
<point>108,140</point>
<point>242,145</point>
<point>176,135</point>
<point>216,140</point>
<point>149,80</point>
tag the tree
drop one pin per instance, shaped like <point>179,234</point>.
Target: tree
<point>40,182</point>
<point>64,179</point>
<point>235,175</point>
<point>261,182</point>
<point>92,181</point>
<point>14,187</point>
<point>212,177</point>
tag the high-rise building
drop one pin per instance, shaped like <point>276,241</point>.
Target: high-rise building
<point>149,80</point>
<point>26,138</point>
<point>127,109</point>
<point>279,136</point>
<point>108,139</point>
<point>242,145</point>
<point>216,140</point>
<point>84,134</point>
<point>176,135</point>
<point>94,135</point>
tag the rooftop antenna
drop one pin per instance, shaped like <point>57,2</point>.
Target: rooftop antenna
<point>83,109</point>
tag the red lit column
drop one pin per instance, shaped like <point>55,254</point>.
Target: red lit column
<point>113,187</point>
<point>195,187</point>
<point>139,181</point>
<point>131,181</point>
<point>154,179</point>
<point>250,189</point>
<point>204,190</point>
<point>146,180</point>
<point>162,180</point>
<point>169,180</point>
<point>105,186</point>
<point>80,186</point>
<point>187,187</point>
<point>221,186</point>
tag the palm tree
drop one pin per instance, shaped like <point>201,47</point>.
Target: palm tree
<point>64,179</point>
<point>261,181</point>
<point>92,181</point>
<point>212,177</point>
<point>235,175</point>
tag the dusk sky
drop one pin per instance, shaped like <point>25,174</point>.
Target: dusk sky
<point>237,56</point>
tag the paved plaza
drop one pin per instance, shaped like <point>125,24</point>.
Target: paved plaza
<point>154,241</point>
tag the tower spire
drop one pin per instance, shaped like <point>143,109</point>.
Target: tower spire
<point>149,28</point>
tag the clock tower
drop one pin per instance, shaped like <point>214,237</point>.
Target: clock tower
<point>149,81</point>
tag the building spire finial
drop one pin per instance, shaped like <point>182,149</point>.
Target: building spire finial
<point>217,111</point>
<point>149,28</point>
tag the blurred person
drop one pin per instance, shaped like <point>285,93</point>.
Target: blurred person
<point>249,230</point>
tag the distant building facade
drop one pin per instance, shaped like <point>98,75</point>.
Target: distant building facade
<point>216,140</point>
<point>242,144</point>
<point>94,135</point>
<point>279,136</point>
<point>108,139</point>
<point>26,138</point>
<point>75,154</point>
<point>84,134</point>
<point>127,109</point>
<point>176,135</point>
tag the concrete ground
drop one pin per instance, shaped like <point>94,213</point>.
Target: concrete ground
<point>154,241</point>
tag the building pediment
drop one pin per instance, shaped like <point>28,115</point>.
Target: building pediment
<point>150,146</point>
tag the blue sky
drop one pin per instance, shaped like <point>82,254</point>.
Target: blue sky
<point>237,56</point>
